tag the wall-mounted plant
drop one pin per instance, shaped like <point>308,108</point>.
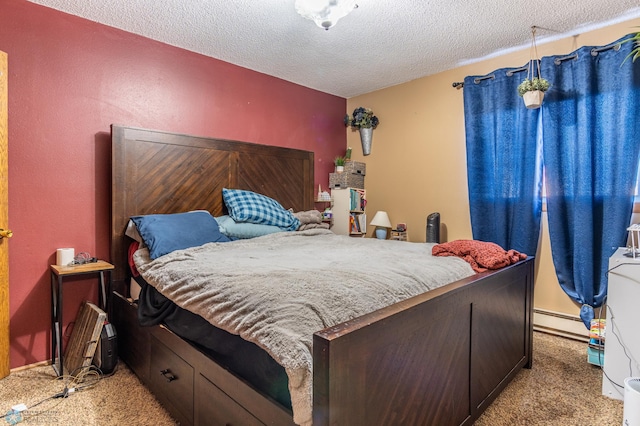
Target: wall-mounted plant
<point>364,121</point>
<point>363,118</point>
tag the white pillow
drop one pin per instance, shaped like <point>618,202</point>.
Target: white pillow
<point>132,232</point>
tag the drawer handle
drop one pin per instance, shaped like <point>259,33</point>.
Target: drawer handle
<point>167,375</point>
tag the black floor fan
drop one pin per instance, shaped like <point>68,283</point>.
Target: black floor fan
<point>433,228</point>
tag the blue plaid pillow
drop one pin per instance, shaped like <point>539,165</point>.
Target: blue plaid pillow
<point>247,206</point>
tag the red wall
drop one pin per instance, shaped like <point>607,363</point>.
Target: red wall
<point>69,80</point>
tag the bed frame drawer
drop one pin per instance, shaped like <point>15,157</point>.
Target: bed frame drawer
<point>214,407</point>
<point>171,380</point>
<point>133,340</point>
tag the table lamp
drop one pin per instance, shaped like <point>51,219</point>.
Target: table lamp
<point>382,223</point>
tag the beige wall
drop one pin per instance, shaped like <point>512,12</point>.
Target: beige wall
<point>418,160</point>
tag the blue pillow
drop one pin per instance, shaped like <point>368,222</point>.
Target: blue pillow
<point>247,206</point>
<point>244,230</point>
<point>164,233</point>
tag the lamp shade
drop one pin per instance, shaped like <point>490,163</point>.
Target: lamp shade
<point>325,13</point>
<point>381,219</point>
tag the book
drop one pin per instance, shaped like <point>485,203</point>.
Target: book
<point>597,330</point>
<point>362,220</point>
<point>352,224</point>
<point>597,333</point>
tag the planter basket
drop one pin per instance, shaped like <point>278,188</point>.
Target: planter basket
<point>345,180</point>
<point>355,167</point>
<point>533,99</point>
<point>366,138</point>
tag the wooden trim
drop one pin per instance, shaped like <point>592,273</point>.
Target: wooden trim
<point>30,366</point>
<point>4,216</point>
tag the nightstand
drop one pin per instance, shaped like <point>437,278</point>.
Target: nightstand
<point>58,273</point>
<point>398,235</point>
<point>324,205</point>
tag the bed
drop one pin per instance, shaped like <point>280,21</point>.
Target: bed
<point>437,358</point>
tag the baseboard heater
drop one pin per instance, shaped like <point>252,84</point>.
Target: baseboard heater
<point>560,324</point>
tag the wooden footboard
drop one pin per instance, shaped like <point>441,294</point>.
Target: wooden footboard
<point>436,359</point>
<point>439,358</point>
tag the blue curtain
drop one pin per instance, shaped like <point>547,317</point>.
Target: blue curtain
<point>503,161</point>
<point>591,145</point>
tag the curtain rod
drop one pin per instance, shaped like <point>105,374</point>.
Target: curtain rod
<point>510,73</point>
<point>594,52</point>
<point>460,85</point>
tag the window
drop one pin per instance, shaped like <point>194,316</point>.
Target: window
<point>636,194</point>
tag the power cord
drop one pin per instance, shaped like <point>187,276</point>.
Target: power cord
<point>83,258</point>
<point>602,341</point>
<point>612,330</point>
<point>79,379</point>
<point>84,377</point>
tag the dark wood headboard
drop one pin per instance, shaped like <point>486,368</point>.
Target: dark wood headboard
<point>161,172</point>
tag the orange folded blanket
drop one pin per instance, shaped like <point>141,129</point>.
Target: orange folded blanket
<point>481,255</point>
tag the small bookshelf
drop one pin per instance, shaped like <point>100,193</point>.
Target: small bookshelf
<point>349,211</point>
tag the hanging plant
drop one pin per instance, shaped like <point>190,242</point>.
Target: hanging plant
<point>532,88</point>
<point>537,83</point>
<point>635,52</point>
<point>532,91</point>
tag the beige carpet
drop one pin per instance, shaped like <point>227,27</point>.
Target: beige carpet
<point>119,399</point>
<point>561,389</point>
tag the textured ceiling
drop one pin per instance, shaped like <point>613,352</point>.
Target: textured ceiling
<point>380,44</point>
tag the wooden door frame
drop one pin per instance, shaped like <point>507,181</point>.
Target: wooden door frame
<point>4,216</point>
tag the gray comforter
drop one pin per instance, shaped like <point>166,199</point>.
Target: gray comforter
<point>277,290</point>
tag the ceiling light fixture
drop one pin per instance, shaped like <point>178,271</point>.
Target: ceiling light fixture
<point>325,13</point>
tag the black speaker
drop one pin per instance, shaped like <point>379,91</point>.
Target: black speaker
<point>433,228</point>
<point>106,356</point>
